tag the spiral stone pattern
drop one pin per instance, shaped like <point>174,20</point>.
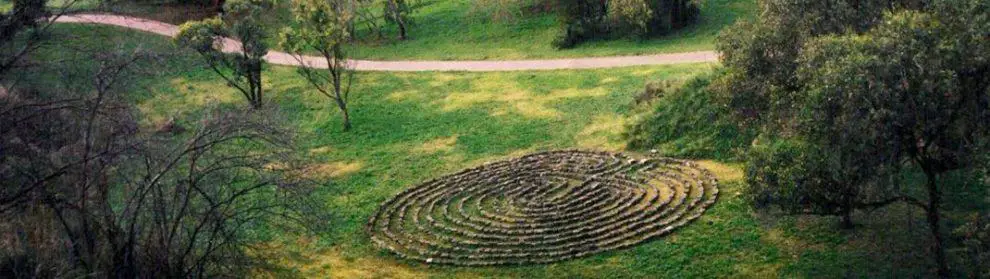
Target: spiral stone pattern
<point>541,208</point>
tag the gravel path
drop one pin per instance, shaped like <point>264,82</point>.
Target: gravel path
<point>282,58</point>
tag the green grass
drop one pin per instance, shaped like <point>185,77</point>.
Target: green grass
<point>456,30</point>
<point>411,127</point>
<point>688,121</point>
<point>449,30</point>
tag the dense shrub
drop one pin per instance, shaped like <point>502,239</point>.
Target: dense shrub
<point>761,56</point>
<point>975,236</point>
<point>688,123</point>
<point>588,19</point>
<point>774,170</point>
<point>875,89</point>
<point>797,176</point>
<point>582,20</point>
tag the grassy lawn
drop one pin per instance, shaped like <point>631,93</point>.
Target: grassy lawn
<point>411,127</point>
<point>457,30</point>
<point>449,30</point>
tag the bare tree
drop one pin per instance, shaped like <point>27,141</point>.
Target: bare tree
<point>22,29</point>
<point>127,201</point>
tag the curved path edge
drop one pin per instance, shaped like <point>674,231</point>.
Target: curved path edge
<point>281,58</point>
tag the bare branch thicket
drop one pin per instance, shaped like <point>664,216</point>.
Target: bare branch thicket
<point>23,29</point>
<point>89,192</point>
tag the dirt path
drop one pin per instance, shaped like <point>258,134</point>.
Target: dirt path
<point>282,58</point>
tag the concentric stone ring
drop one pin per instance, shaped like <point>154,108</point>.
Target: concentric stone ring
<point>542,208</point>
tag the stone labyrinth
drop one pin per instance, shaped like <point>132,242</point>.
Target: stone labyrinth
<point>542,208</point>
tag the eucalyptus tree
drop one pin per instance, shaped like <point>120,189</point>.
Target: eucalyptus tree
<point>913,91</point>
<point>397,12</point>
<point>323,27</point>
<point>761,56</point>
<point>241,65</point>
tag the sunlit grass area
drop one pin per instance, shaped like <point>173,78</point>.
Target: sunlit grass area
<point>412,127</point>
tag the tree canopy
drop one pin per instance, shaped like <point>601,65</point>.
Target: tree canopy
<point>862,102</point>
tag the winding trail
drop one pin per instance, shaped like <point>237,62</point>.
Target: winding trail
<point>281,58</point>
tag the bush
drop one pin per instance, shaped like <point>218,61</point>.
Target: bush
<point>588,19</point>
<point>975,236</point>
<point>653,91</point>
<point>774,170</point>
<point>688,122</point>
<point>630,16</point>
<point>582,20</point>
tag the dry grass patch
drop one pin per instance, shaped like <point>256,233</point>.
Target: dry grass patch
<point>723,171</point>
<point>331,170</point>
<point>603,133</point>
<point>303,259</point>
<point>320,150</point>
<point>443,144</point>
<point>507,97</point>
<point>608,80</point>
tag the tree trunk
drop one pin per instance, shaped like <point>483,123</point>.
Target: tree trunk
<point>342,105</point>
<point>344,114</point>
<point>347,120</point>
<point>934,200</point>
<point>396,14</point>
<point>256,89</point>
<point>402,29</point>
<point>846,222</point>
<point>846,206</point>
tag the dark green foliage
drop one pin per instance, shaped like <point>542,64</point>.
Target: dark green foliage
<point>975,236</point>
<point>688,122</point>
<point>807,178</point>
<point>911,92</point>
<point>581,18</point>
<point>397,12</point>
<point>588,19</point>
<point>761,56</point>
<point>775,172</point>
<point>914,89</point>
